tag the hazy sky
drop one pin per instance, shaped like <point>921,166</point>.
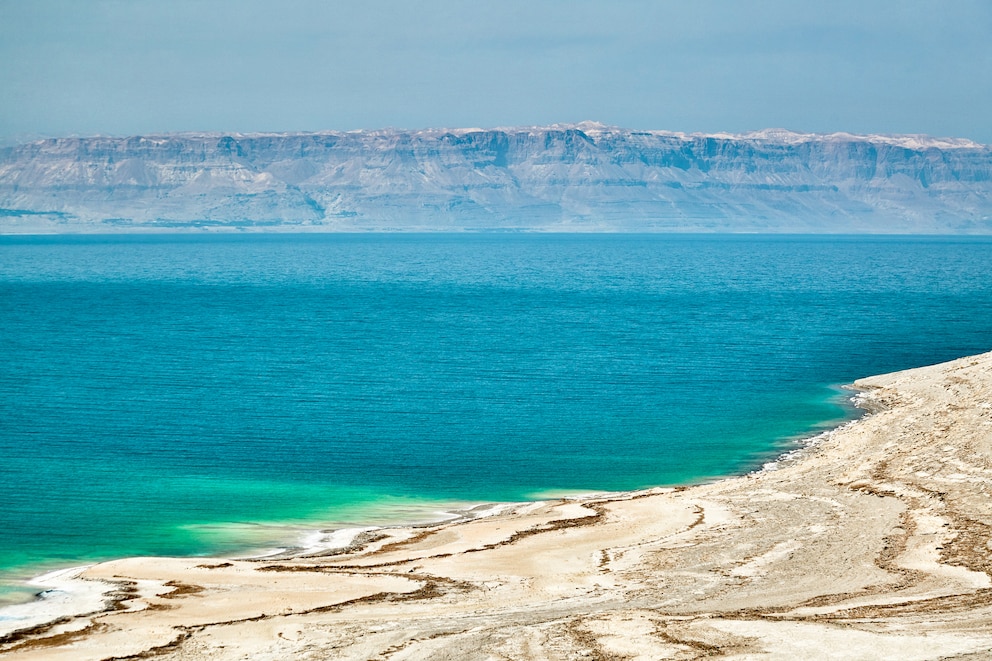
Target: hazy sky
<point>139,66</point>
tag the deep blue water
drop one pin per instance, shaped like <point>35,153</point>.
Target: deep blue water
<point>169,394</point>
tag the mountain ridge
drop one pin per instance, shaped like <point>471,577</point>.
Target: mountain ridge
<point>564,177</point>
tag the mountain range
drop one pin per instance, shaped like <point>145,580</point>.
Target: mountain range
<point>572,178</point>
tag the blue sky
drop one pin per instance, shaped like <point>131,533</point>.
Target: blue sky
<point>126,67</point>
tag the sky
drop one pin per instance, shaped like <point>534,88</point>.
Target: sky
<point>128,67</point>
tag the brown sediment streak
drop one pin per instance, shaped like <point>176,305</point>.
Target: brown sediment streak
<point>158,650</point>
<point>946,605</point>
<point>29,633</point>
<point>970,547</point>
<point>557,524</point>
<point>180,590</point>
<point>396,546</point>
<point>586,639</point>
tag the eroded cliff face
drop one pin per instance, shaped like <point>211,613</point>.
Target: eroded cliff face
<point>584,177</point>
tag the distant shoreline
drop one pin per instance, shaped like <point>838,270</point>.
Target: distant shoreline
<point>585,177</point>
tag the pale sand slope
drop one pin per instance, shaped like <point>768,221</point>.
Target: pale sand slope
<point>876,545</point>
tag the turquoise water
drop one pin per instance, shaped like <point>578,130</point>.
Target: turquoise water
<point>204,394</point>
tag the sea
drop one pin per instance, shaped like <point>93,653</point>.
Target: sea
<point>202,394</point>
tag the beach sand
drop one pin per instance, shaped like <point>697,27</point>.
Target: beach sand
<point>874,543</point>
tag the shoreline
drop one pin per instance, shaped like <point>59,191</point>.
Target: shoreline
<point>871,541</point>
<point>73,596</point>
<point>59,582</point>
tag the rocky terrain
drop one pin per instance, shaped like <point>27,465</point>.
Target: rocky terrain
<point>582,177</point>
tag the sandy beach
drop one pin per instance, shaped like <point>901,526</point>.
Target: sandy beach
<point>873,543</point>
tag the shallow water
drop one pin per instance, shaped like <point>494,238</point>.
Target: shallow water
<point>210,394</point>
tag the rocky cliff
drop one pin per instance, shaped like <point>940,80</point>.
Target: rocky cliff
<point>583,177</point>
